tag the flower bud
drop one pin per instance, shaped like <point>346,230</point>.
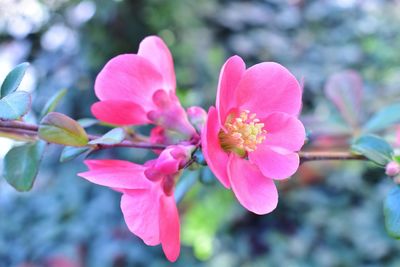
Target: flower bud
<point>170,115</point>
<point>392,168</point>
<point>197,117</point>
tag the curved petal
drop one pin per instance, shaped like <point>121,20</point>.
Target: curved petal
<point>254,191</point>
<point>229,78</point>
<point>141,213</point>
<point>269,87</point>
<point>131,78</point>
<point>117,174</point>
<point>275,162</point>
<point>119,112</point>
<point>284,131</point>
<point>156,51</point>
<point>216,157</point>
<point>169,227</point>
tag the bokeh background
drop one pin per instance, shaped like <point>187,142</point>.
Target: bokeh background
<point>330,214</point>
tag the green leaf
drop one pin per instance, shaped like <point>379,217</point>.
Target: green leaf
<point>53,102</point>
<point>87,122</point>
<point>71,152</point>
<point>60,129</point>
<point>15,105</point>
<point>201,222</point>
<point>21,165</point>
<point>391,210</point>
<point>115,136</point>
<point>384,118</point>
<point>396,158</point>
<point>13,79</point>
<point>374,148</point>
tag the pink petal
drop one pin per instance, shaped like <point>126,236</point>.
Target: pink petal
<point>166,164</point>
<point>215,156</point>
<point>169,227</point>
<point>275,162</point>
<point>269,87</point>
<point>284,131</point>
<point>116,174</point>
<point>119,112</point>
<point>254,191</point>
<point>156,51</point>
<point>131,78</point>
<point>229,78</point>
<point>141,213</point>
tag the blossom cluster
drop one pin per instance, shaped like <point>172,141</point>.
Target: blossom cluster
<point>249,139</point>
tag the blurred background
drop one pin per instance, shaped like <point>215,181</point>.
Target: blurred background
<point>329,214</point>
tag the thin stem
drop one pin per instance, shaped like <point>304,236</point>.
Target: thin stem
<point>18,131</point>
<point>18,125</point>
<point>23,128</point>
<point>127,143</point>
<point>329,155</point>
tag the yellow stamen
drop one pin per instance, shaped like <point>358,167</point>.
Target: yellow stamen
<point>243,133</point>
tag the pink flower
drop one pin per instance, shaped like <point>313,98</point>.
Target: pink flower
<point>250,138</point>
<point>137,89</point>
<point>147,202</point>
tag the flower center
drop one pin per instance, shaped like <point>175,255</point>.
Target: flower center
<point>243,133</point>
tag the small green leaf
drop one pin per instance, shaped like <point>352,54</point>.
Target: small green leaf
<point>71,152</point>
<point>396,158</point>
<point>391,210</point>
<point>115,136</point>
<point>13,79</point>
<point>15,105</point>
<point>21,165</point>
<point>87,122</point>
<point>53,102</point>
<point>60,129</point>
<point>374,148</point>
<point>384,118</point>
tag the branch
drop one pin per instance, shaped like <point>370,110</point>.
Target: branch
<point>329,155</point>
<point>23,128</point>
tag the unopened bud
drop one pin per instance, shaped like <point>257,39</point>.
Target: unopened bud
<point>392,168</point>
<point>197,117</point>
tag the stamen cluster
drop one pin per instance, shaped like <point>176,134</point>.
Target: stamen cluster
<point>243,133</point>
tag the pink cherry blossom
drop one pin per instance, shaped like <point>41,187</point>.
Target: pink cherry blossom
<point>252,135</point>
<point>147,202</point>
<point>137,89</point>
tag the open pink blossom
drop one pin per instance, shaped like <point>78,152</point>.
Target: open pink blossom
<point>252,135</point>
<point>147,202</point>
<point>136,89</point>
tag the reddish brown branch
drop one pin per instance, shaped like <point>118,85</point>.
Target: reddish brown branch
<point>329,155</point>
<point>22,128</point>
